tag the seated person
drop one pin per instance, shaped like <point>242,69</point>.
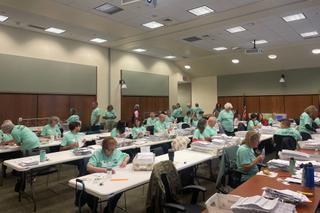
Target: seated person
<point>151,121</point>
<point>169,117</point>
<point>200,115</point>
<point>51,129</point>
<point>120,130</point>
<point>254,123</point>
<point>138,131</point>
<point>306,118</point>
<point>177,112</point>
<point>286,130</point>
<point>71,140</point>
<point>194,120</point>
<point>5,137</point>
<point>187,118</point>
<point>74,117</point>
<point>210,130</point>
<point>100,161</point>
<point>237,118</point>
<point>161,125</point>
<point>199,133</point>
<point>246,159</point>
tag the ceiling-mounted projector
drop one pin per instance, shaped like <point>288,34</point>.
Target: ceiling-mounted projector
<point>253,50</point>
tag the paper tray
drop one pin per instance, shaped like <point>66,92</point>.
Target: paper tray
<point>221,203</point>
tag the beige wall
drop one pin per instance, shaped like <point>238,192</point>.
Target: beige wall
<point>134,62</point>
<point>204,92</point>
<point>37,45</point>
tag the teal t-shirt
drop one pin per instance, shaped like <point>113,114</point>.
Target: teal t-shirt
<point>5,137</point>
<point>317,121</point>
<point>226,120</point>
<point>197,110</point>
<point>187,119</point>
<point>96,112</point>
<point>110,116</point>
<point>169,119</point>
<point>198,135</point>
<point>289,132</point>
<point>160,126</point>
<point>177,113</point>
<point>304,120</point>
<point>24,137</point>
<point>151,122</point>
<point>253,123</point>
<point>47,130</point>
<point>245,155</point>
<point>114,133</point>
<point>136,131</point>
<point>194,123</point>
<point>210,131</point>
<point>101,160</point>
<point>73,118</point>
<point>71,138</point>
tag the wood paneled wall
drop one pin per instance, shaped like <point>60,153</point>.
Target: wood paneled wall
<point>15,105</point>
<point>147,104</point>
<point>293,105</point>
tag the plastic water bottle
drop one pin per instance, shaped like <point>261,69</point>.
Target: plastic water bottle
<point>109,170</point>
<point>292,165</point>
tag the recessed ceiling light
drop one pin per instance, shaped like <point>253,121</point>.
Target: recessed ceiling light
<point>3,18</point>
<point>294,17</point>
<point>309,34</point>
<point>170,57</point>
<point>236,29</point>
<point>139,50</point>
<point>108,8</point>
<point>220,48</point>
<point>235,61</point>
<point>260,42</point>
<point>98,40</point>
<point>272,56</point>
<point>188,67</point>
<point>316,51</point>
<point>153,25</point>
<point>54,30</point>
<point>199,11</point>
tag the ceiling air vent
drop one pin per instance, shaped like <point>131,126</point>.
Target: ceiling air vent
<point>36,27</point>
<point>192,39</point>
<point>109,9</point>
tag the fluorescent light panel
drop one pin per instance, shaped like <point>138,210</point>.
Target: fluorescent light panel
<point>235,61</point>
<point>54,30</point>
<point>309,34</point>
<point>188,67</point>
<point>139,50</point>
<point>153,25</point>
<point>220,48</point>
<point>295,17</point>
<point>170,57</point>
<point>272,56</point>
<point>260,42</point>
<point>200,11</point>
<point>236,29</point>
<point>98,40</point>
<point>3,18</point>
<point>316,51</point>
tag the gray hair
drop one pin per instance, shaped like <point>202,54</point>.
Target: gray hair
<point>228,106</point>
<point>7,126</point>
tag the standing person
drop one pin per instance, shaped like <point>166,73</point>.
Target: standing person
<point>306,119</point>
<point>52,128</point>
<point>74,117</point>
<point>189,109</point>
<point>226,119</point>
<point>110,117</point>
<point>188,117</point>
<point>177,112</point>
<point>217,110</point>
<point>135,113</point>
<point>95,117</point>
<point>100,161</point>
<point>197,109</point>
<point>194,120</point>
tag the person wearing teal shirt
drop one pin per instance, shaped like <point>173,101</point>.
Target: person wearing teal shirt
<point>101,161</point>
<point>254,123</point>
<point>110,117</point>
<point>95,117</point>
<point>199,133</point>
<point>270,121</point>
<point>200,115</point>
<point>120,130</point>
<point>194,120</point>
<point>73,116</point>
<point>161,125</point>
<point>286,130</point>
<point>169,118</point>
<point>317,121</point>
<point>189,109</point>
<point>151,121</point>
<point>210,130</point>
<point>51,129</point>
<point>177,112</point>
<point>138,131</point>
<point>5,137</point>
<point>187,119</point>
<point>22,136</point>
<point>72,139</point>
<point>226,119</point>
<point>306,118</point>
<point>197,109</point>
<point>246,160</point>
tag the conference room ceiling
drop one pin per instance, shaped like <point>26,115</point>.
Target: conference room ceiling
<point>262,20</point>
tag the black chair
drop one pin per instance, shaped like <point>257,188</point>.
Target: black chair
<point>242,127</point>
<point>185,126</point>
<point>150,129</point>
<point>305,136</point>
<point>284,142</point>
<point>180,119</point>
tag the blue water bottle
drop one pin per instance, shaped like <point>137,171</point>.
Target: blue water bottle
<point>309,175</point>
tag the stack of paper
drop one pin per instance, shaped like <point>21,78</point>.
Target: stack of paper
<point>260,204</point>
<point>285,195</point>
<point>278,163</point>
<point>309,144</point>
<point>121,142</point>
<point>296,178</point>
<point>207,147</point>
<point>29,162</point>
<point>268,130</point>
<point>286,154</point>
<point>82,151</point>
